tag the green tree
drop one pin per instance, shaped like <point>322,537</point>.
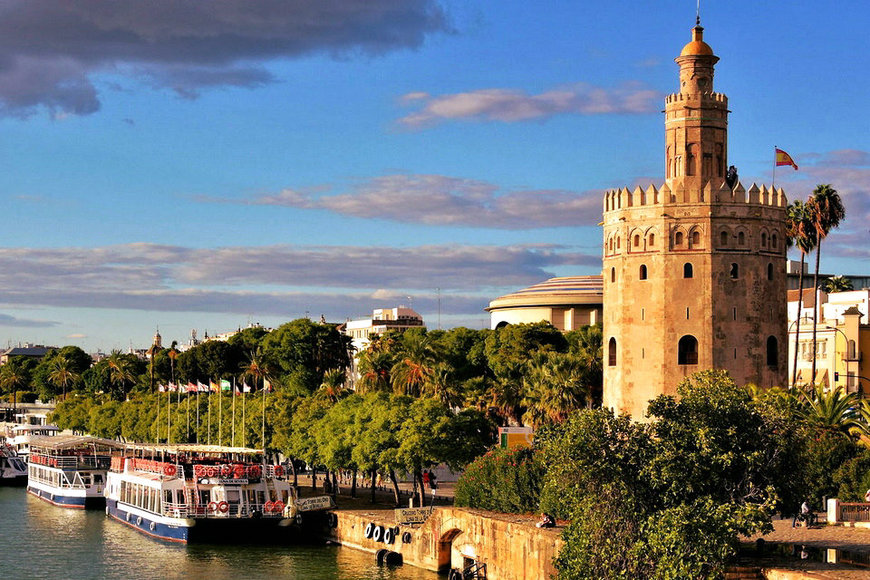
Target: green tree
<point>374,368</point>
<point>825,209</point>
<point>302,351</point>
<point>555,385</point>
<point>121,374</point>
<point>415,363</point>
<point>16,375</point>
<point>800,233</point>
<point>332,388</point>
<point>63,374</point>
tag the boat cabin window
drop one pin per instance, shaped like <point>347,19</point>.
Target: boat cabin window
<point>204,496</point>
<point>98,478</point>
<point>233,496</point>
<point>86,478</point>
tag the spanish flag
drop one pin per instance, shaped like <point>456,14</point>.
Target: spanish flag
<point>783,158</point>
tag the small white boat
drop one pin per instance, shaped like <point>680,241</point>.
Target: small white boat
<point>13,471</point>
<point>194,493</point>
<point>70,470</point>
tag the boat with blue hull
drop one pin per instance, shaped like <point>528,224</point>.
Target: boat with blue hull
<point>69,470</point>
<point>13,470</point>
<point>201,493</point>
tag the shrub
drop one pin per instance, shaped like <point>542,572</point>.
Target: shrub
<point>502,480</point>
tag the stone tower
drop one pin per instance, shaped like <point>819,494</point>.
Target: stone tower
<point>694,270</point>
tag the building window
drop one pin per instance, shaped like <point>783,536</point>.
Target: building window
<point>611,352</point>
<point>688,271</point>
<point>652,240</point>
<point>723,238</point>
<point>618,243</point>
<point>741,238</point>
<point>678,239</point>
<point>696,239</point>
<point>735,271</point>
<point>772,352</point>
<point>687,350</point>
<point>763,240</point>
<point>773,241</point>
<point>613,274</point>
<point>851,350</point>
<point>770,271</point>
<point>636,241</point>
<point>642,274</point>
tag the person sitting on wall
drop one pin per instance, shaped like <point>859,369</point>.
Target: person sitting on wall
<point>546,521</point>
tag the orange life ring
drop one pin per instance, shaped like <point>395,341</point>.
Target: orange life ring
<point>212,506</point>
<point>239,471</point>
<point>279,471</point>
<point>169,470</point>
<point>278,506</point>
<point>269,506</point>
<point>226,470</point>
<point>254,471</point>
<point>197,470</point>
<point>223,507</point>
<point>212,471</point>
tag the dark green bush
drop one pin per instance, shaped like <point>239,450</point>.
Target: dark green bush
<point>502,480</point>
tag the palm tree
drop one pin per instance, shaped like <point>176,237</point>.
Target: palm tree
<point>374,370</point>
<point>61,374</point>
<point>826,211</point>
<point>834,411</point>
<point>172,354</point>
<point>332,387</point>
<point>120,371</point>
<point>555,386</point>
<point>799,233</point>
<point>13,378</point>
<point>441,384</point>
<point>416,360</point>
<point>837,284</point>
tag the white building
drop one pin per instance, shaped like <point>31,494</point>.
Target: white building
<point>381,320</point>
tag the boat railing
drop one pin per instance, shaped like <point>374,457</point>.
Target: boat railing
<point>222,510</point>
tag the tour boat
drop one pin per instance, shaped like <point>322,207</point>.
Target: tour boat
<point>194,493</point>
<point>13,471</point>
<point>19,437</point>
<point>70,470</point>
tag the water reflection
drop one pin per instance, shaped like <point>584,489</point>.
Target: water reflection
<point>40,541</point>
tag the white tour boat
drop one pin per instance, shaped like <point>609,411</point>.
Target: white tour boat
<point>19,436</point>
<point>70,470</point>
<point>194,493</point>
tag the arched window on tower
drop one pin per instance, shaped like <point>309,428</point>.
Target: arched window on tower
<point>734,272</point>
<point>723,238</point>
<point>690,159</point>
<point>720,161</point>
<point>611,352</point>
<point>652,240</point>
<point>770,271</point>
<point>687,353</point>
<point>636,240</point>
<point>773,241</point>
<point>696,239</point>
<point>613,274</point>
<point>618,242</point>
<point>772,352</point>
<point>763,239</point>
<point>678,239</point>
<point>688,271</point>
<point>741,238</point>
<point>642,274</point>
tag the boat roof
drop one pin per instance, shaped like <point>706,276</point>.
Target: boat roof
<point>36,428</point>
<point>176,448</point>
<point>60,442</point>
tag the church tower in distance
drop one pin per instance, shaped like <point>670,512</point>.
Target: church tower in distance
<point>694,270</point>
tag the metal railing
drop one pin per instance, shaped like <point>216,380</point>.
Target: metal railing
<point>182,510</point>
<point>854,512</point>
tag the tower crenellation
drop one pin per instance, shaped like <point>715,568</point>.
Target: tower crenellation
<point>694,268</point>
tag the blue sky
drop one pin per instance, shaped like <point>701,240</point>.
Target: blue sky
<point>207,164</point>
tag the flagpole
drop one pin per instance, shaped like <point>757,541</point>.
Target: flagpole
<point>209,418</point>
<point>168,415</point>
<point>188,415</point>
<point>157,422</point>
<point>244,396</point>
<point>773,185</point>
<point>220,412</point>
<point>197,415</point>
<point>263,431</point>
<point>234,411</point>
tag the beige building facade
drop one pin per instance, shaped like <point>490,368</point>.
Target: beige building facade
<point>566,302</point>
<point>694,270</point>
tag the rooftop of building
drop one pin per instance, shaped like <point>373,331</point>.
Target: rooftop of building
<point>564,290</point>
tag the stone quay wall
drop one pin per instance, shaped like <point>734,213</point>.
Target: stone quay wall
<point>512,548</point>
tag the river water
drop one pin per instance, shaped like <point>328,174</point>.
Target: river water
<point>38,540</point>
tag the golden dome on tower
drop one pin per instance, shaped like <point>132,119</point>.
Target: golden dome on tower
<point>697,47</point>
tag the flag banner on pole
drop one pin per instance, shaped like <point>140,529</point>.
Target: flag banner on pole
<point>172,387</point>
<point>213,386</point>
<point>202,388</point>
<point>267,385</point>
<point>161,388</point>
<point>783,158</point>
<point>191,388</point>
<point>225,385</point>
<point>246,387</point>
<point>237,391</point>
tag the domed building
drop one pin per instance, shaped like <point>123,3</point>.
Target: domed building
<point>567,303</point>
